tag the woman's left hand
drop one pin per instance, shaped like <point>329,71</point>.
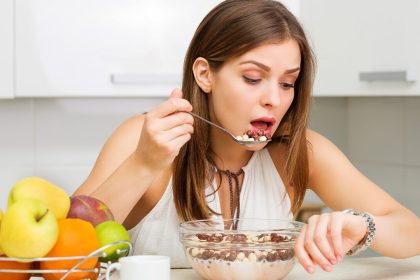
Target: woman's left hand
<point>326,238</point>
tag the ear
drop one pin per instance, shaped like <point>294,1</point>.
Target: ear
<point>202,74</point>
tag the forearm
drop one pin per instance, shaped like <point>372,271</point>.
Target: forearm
<point>125,186</point>
<point>397,234</point>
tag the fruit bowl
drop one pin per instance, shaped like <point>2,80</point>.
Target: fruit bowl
<point>257,249</point>
<point>93,273</point>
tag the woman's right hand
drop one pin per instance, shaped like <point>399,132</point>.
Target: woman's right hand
<point>165,130</point>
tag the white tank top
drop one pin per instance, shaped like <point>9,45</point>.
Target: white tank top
<point>263,195</point>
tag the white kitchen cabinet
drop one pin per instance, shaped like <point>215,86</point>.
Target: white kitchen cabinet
<point>364,47</point>
<point>6,49</point>
<point>103,47</point>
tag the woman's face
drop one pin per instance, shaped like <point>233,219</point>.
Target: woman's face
<point>255,90</point>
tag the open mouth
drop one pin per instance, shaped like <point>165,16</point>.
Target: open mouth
<point>263,124</point>
<point>260,131</point>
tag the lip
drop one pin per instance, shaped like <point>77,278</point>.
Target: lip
<point>269,120</point>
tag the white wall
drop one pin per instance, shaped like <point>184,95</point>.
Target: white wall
<point>59,139</point>
<point>384,137</point>
<point>380,135</point>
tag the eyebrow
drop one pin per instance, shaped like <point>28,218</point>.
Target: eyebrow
<point>266,68</point>
<point>290,71</point>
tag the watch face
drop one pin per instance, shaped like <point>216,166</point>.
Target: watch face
<point>357,212</point>
<point>350,211</point>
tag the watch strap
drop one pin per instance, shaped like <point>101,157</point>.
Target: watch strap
<point>370,233</point>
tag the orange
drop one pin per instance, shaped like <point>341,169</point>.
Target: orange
<point>95,275</point>
<point>14,265</point>
<point>76,237</point>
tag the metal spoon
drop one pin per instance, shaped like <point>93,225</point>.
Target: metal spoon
<point>242,142</point>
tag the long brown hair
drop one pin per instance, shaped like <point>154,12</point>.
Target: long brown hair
<point>229,30</point>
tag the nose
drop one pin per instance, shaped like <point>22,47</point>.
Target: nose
<point>271,96</point>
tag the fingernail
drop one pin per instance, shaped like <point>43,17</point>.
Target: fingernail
<point>333,261</point>
<point>327,267</point>
<point>310,269</point>
<point>339,258</point>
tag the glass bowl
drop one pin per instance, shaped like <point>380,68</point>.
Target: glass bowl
<point>256,249</point>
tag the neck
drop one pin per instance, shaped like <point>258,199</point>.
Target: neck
<point>229,155</point>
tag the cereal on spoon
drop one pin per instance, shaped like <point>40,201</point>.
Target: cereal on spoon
<point>254,135</point>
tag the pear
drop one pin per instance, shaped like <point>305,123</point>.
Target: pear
<point>37,188</point>
<point>29,229</point>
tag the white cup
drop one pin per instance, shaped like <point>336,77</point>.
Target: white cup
<point>141,267</point>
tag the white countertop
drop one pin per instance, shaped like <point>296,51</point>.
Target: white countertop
<point>379,268</point>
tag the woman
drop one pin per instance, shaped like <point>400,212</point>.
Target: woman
<point>248,67</point>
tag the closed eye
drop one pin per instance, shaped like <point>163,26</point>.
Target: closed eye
<point>287,85</point>
<point>251,81</point>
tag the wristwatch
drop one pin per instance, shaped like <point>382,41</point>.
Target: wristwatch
<point>370,234</point>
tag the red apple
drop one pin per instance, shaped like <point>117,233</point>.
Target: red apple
<point>89,209</point>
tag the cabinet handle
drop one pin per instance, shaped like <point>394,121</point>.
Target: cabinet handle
<point>146,79</point>
<point>397,76</point>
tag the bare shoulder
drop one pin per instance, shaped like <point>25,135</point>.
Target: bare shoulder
<point>321,152</point>
<point>317,141</point>
<point>324,156</point>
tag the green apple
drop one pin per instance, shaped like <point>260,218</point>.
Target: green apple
<point>29,229</point>
<point>37,188</point>
<point>109,232</point>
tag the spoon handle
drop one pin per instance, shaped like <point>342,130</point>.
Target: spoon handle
<point>211,123</point>
<point>242,142</point>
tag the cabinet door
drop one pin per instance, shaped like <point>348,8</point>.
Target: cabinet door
<point>6,49</point>
<point>103,47</point>
<point>364,47</point>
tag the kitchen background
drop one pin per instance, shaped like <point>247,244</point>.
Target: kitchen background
<point>71,71</point>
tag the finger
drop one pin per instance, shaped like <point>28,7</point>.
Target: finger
<point>311,246</point>
<point>321,238</point>
<point>171,105</point>
<point>176,93</point>
<point>336,237</point>
<point>174,120</point>
<point>301,253</point>
<point>175,132</point>
<point>180,141</point>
